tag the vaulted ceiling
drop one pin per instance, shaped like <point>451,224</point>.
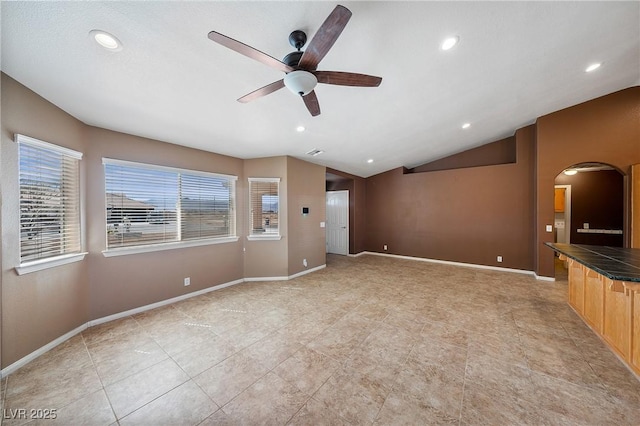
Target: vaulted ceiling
<point>515,61</point>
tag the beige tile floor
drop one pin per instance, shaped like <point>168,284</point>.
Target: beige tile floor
<point>368,340</point>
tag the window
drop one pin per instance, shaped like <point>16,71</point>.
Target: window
<point>49,200</point>
<point>149,205</point>
<point>264,201</point>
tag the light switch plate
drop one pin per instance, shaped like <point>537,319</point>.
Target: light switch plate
<point>549,228</point>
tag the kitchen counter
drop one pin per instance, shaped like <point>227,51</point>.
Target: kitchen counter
<point>604,290</point>
<point>616,263</point>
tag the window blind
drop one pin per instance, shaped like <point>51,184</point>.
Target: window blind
<point>147,204</point>
<point>264,201</point>
<point>49,199</point>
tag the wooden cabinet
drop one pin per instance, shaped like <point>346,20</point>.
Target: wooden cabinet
<point>635,206</point>
<point>559,200</point>
<point>634,290</point>
<point>617,316</point>
<point>576,285</point>
<point>594,289</point>
<point>611,308</point>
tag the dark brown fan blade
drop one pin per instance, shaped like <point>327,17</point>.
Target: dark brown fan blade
<point>347,78</point>
<point>263,91</point>
<point>249,51</point>
<point>326,36</point>
<point>311,101</point>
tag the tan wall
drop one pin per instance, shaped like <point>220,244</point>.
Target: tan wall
<point>605,130</point>
<point>40,306</point>
<point>469,215</point>
<point>306,188</point>
<point>126,282</point>
<point>268,258</point>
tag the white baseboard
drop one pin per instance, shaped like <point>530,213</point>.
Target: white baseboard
<point>40,351</point>
<point>151,306</point>
<point>543,278</point>
<point>286,278</point>
<point>449,262</point>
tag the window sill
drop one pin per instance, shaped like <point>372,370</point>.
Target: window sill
<point>52,262</point>
<point>264,237</point>
<point>124,251</point>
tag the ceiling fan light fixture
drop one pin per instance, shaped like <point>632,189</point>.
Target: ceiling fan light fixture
<point>300,82</point>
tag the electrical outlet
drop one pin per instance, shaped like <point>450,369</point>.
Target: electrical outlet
<point>187,281</point>
<point>304,262</point>
<point>384,247</point>
<point>499,258</point>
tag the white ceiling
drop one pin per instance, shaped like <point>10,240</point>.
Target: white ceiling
<point>515,61</point>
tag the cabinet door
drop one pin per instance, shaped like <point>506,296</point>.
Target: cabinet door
<point>617,318</point>
<point>576,286</point>
<point>635,327</point>
<point>559,200</point>
<point>594,299</point>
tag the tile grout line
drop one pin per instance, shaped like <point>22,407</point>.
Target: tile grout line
<point>464,385</point>
<point>95,368</point>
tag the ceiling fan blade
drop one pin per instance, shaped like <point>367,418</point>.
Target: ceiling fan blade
<point>249,51</point>
<point>311,101</point>
<point>263,91</point>
<point>347,78</point>
<point>325,37</point>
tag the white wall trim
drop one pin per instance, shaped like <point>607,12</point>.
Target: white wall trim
<point>307,271</point>
<point>449,262</point>
<point>252,279</point>
<point>92,323</point>
<point>543,278</point>
<point>290,277</point>
<point>40,351</point>
<point>155,305</point>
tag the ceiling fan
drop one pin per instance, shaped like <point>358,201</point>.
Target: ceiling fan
<point>300,67</point>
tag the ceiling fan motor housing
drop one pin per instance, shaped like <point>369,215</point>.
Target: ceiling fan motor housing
<point>297,39</point>
<point>293,59</point>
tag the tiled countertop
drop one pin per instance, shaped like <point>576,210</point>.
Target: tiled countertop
<point>616,263</point>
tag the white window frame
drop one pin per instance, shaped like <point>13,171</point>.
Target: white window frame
<point>268,236</point>
<point>65,257</point>
<point>146,248</point>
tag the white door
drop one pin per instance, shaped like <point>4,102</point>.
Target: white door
<point>338,222</point>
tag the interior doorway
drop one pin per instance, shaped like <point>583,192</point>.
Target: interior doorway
<point>338,222</point>
<point>593,212</point>
<point>562,209</point>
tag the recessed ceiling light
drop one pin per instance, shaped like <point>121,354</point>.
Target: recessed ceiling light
<point>466,125</point>
<point>106,40</point>
<point>593,67</point>
<point>300,128</point>
<point>570,172</point>
<point>370,160</point>
<point>449,42</point>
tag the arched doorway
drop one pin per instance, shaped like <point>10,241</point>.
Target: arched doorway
<point>593,208</point>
